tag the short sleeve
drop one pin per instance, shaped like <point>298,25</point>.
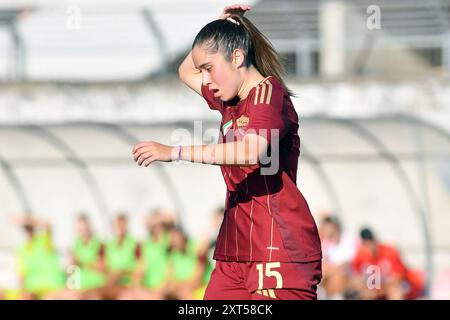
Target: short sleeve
<point>398,268</point>
<point>213,102</point>
<point>266,116</point>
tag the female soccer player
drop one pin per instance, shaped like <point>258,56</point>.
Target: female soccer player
<point>268,245</point>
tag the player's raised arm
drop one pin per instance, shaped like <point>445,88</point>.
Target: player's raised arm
<point>190,75</point>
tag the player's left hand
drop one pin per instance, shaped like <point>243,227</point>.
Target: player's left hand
<point>144,153</point>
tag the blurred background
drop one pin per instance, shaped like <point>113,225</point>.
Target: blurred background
<point>81,82</point>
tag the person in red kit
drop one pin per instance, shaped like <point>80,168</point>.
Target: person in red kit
<point>268,245</point>
<point>396,280</point>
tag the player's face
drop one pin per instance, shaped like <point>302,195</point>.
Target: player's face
<point>83,227</point>
<point>121,227</point>
<point>370,245</point>
<point>330,232</point>
<point>157,229</point>
<point>220,75</point>
<point>177,240</point>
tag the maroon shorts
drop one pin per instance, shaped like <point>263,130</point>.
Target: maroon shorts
<point>264,280</point>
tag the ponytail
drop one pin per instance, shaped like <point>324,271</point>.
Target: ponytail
<point>239,32</point>
<point>266,59</point>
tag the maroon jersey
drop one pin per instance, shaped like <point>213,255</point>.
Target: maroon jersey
<point>266,217</point>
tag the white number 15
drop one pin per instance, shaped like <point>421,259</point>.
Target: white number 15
<point>269,273</point>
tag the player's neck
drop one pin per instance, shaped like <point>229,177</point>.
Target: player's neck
<point>252,78</point>
<point>86,238</point>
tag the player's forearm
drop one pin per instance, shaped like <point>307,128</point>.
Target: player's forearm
<point>187,68</point>
<point>246,152</point>
<point>237,153</point>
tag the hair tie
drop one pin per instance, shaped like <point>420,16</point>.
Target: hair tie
<point>233,21</point>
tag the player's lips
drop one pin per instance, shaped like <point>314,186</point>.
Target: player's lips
<point>216,92</point>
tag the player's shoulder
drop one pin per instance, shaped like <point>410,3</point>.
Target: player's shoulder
<point>388,249</point>
<point>267,91</point>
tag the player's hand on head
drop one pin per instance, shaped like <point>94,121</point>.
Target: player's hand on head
<point>147,152</point>
<point>234,9</point>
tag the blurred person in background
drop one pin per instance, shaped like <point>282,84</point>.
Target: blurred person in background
<point>88,254</point>
<point>338,250</point>
<point>155,249</point>
<point>186,266</point>
<point>206,248</point>
<point>396,281</point>
<point>122,254</point>
<point>152,269</point>
<point>268,246</point>
<point>39,268</point>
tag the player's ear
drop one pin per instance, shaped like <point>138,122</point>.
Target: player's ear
<point>238,58</point>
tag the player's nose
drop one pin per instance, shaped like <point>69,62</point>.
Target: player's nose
<point>206,79</point>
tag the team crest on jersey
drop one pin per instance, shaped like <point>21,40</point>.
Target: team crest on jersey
<point>242,121</point>
<point>227,127</point>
